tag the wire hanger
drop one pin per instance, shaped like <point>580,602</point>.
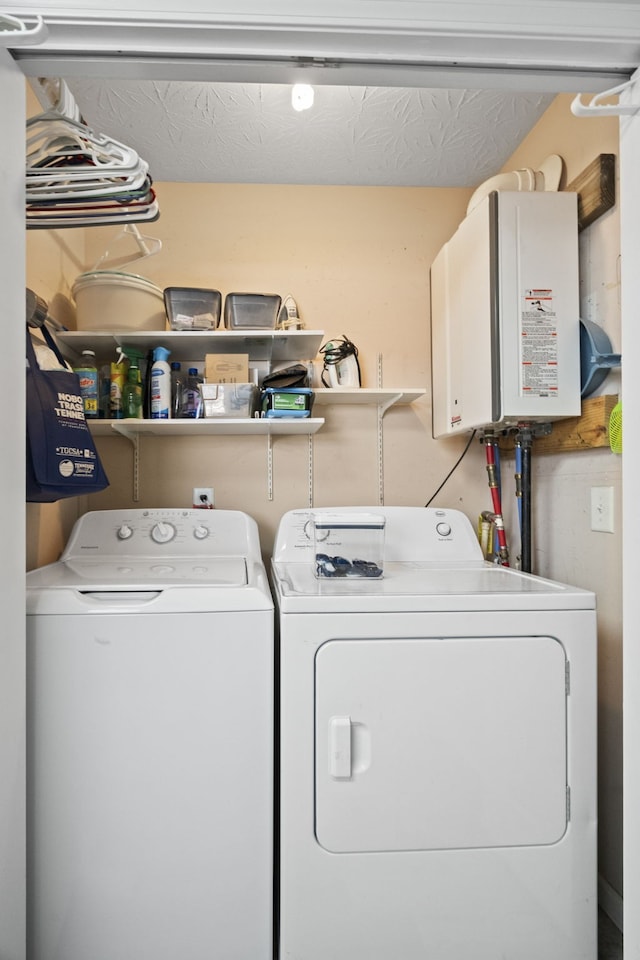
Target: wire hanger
<point>147,247</point>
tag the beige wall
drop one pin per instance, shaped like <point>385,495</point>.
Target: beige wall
<point>357,262</point>
<point>564,546</point>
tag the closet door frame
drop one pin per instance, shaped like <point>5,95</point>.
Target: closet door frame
<point>12,511</point>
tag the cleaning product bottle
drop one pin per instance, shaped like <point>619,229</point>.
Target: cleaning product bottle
<point>118,380</point>
<point>160,385</point>
<point>89,383</point>
<point>88,377</point>
<point>104,402</point>
<point>177,389</point>
<point>146,390</point>
<point>132,394</point>
<point>192,396</point>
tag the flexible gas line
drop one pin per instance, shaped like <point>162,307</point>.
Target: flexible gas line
<point>490,448</point>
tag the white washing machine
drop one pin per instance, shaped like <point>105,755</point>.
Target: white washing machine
<point>438,751</point>
<point>150,741</point>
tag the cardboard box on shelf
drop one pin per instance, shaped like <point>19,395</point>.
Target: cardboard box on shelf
<point>226,367</point>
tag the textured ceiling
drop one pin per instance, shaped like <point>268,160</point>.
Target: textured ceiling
<point>249,133</point>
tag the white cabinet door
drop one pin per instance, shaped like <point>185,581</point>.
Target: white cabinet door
<point>440,743</point>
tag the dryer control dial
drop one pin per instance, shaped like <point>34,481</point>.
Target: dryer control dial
<point>201,532</point>
<point>124,532</point>
<point>163,532</point>
<point>443,529</point>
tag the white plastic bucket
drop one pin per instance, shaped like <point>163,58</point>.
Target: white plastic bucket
<point>111,301</point>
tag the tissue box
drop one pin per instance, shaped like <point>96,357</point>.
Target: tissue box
<point>229,399</point>
<point>349,545</point>
<point>226,367</point>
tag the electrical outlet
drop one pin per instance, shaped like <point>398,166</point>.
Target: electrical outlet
<point>203,498</point>
<point>602,509</point>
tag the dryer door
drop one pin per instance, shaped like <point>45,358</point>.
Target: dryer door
<point>440,743</point>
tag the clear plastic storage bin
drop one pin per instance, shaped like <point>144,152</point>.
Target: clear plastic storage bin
<point>191,308</point>
<point>251,311</point>
<point>349,545</point>
<point>229,399</point>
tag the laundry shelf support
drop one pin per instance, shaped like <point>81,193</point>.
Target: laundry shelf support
<point>596,109</point>
<point>14,31</point>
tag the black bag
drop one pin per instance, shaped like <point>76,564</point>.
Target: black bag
<point>62,460</point>
<point>294,376</point>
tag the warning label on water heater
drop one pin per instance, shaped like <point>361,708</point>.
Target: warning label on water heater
<point>538,345</point>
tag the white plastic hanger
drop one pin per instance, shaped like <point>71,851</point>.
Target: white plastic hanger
<point>77,177</point>
<point>52,135</point>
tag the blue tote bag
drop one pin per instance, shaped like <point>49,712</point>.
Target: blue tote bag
<point>62,460</point>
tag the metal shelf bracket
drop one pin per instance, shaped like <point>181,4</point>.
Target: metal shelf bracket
<point>134,440</point>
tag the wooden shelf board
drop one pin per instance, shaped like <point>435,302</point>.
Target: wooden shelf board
<point>589,431</point>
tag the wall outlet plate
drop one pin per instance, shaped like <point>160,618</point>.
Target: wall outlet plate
<point>203,498</point>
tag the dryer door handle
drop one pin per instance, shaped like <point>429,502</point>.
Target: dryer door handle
<point>340,748</point>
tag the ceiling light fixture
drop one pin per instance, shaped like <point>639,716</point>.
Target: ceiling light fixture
<point>302,96</point>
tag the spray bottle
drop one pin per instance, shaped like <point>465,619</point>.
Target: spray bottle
<point>160,385</point>
<point>132,393</point>
<point>118,380</point>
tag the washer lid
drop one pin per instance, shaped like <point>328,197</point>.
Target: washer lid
<point>133,573</point>
<point>415,586</point>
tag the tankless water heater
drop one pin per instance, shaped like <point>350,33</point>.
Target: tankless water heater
<point>505,334</point>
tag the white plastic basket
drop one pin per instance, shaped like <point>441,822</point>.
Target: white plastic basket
<point>111,301</point>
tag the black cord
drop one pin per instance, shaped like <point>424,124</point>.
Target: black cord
<point>453,468</point>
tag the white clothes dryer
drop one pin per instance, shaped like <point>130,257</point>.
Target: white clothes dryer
<point>438,750</point>
<point>150,741</point>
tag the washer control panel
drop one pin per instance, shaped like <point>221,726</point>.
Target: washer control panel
<point>158,533</point>
<point>411,534</point>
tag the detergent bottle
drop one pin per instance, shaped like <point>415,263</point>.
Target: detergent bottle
<point>160,385</point>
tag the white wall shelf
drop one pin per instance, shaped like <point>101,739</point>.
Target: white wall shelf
<point>232,426</point>
<point>371,395</point>
<point>268,346</point>
<point>277,346</point>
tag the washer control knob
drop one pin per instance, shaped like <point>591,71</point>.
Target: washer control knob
<point>201,532</point>
<point>124,532</point>
<point>162,532</point>
<point>443,529</point>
